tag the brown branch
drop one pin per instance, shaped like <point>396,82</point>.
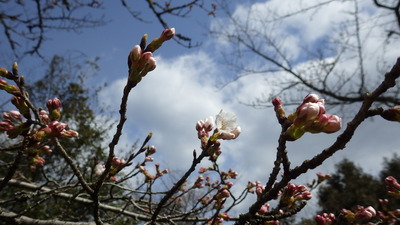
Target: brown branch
<point>74,168</point>
<point>13,168</point>
<point>183,179</point>
<point>14,218</point>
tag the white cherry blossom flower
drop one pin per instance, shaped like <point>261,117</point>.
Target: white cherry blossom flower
<point>226,126</point>
<point>99,169</point>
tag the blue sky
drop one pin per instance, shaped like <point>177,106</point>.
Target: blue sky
<point>183,88</point>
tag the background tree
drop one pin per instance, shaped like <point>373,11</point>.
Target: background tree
<point>26,24</point>
<point>66,79</point>
<point>335,64</point>
<point>391,167</point>
<point>349,186</point>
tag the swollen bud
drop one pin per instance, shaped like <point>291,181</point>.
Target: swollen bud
<point>6,74</point>
<point>166,35</point>
<point>15,68</point>
<point>54,105</point>
<point>279,111</point>
<point>392,114</point>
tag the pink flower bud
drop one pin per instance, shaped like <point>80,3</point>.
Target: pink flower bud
<point>6,125</point>
<point>70,133</point>
<point>322,177</point>
<point>264,209</point>
<point>135,53</point>
<point>320,220</point>
<point>277,102</point>
<point>311,98</point>
<point>53,104</point>
<point>202,170</point>
<point>16,115</point>
<point>117,162</point>
<point>334,124</point>
<point>199,125</point>
<point>305,196</point>
<point>46,149</point>
<point>325,219</point>
<point>222,194</point>
<point>55,129</point>
<point>167,34</point>
<point>38,160</point>
<point>279,111</point>
<point>391,181</point>
<point>308,111</point>
<point>365,213</point>
<point>150,64</point>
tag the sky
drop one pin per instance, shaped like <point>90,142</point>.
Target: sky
<point>185,86</point>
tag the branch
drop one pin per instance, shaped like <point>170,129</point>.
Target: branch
<point>183,179</point>
<point>74,168</point>
<point>17,219</point>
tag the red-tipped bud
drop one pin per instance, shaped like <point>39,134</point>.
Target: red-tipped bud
<point>167,34</point>
<point>311,98</point>
<point>366,213</point>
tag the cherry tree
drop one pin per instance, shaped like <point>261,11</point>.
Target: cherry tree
<point>104,194</point>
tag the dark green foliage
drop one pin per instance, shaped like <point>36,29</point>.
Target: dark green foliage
<point>66,81</point>
<point>391,167</point>
<point>348,187</point>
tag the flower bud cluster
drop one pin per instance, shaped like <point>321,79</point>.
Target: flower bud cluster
<point>320,178</point>
<point>221,217</point>
<point>54,107</point>
<point>392,186</point>
<point>294,193</point>
<point>141,61</point>
<point>360,214</point>
<point>310,117</point>
<point>325,219</point>
<point>224,127</point>
<point>53,128</point>
<point>386,215</point>
<point>222,187</point>
<point>148,176</point>
<point>264,210</point>
<point>15,125</point>
<point>117,164</point>
<point>166,35</point>
<point>21,106</point>
<point>255,187</point>
<point>229,175</point>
